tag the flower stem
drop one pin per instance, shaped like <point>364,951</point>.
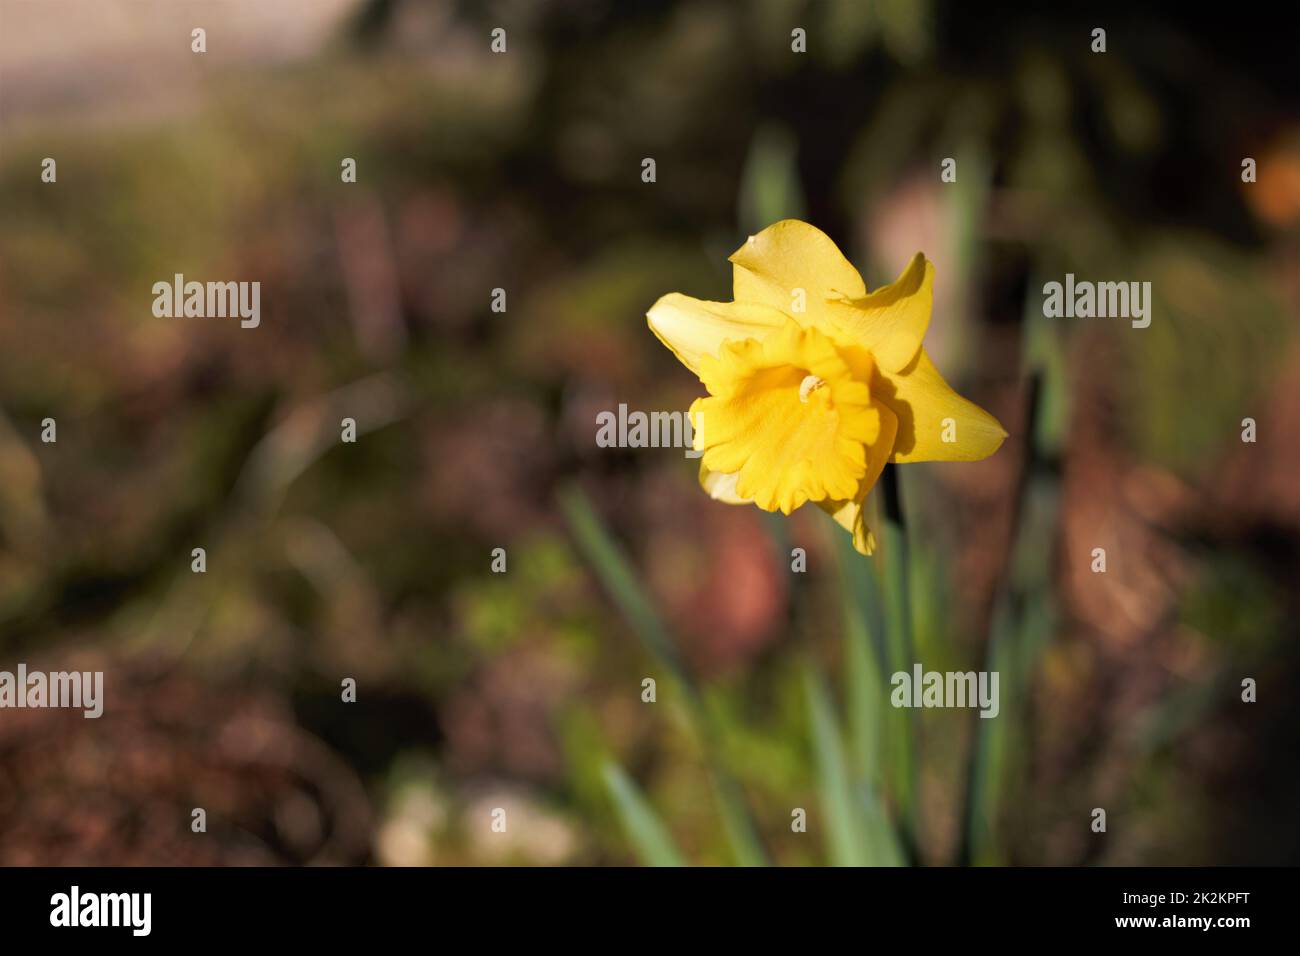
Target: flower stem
<point>903,736</point>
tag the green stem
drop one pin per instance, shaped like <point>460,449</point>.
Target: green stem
<point>901,653</point>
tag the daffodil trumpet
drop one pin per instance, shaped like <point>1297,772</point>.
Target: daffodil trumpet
<point>813,382</point>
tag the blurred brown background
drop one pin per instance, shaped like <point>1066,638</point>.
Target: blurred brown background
<point>521,171</point>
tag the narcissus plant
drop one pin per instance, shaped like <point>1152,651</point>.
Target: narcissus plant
<point>813,382</point>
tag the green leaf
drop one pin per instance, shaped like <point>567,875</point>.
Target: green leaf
<point>769,188</point>
<point>866,693</point>
<point>653,843</point>
<point>845,842</point>
<point>863,684</point>
<point>616,575</point>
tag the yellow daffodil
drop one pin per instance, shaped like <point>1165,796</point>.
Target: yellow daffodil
<point>814,382</point>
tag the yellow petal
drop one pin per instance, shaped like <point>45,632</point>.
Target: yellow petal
<point>934,422</point>
<point>693,328</point>
<point>721,487</point>
<point>787,417</point>
<point>891,321</point>
<point>851,515</point>
<point>791,255</point>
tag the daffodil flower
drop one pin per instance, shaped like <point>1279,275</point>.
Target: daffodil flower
<point>814,382</point>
